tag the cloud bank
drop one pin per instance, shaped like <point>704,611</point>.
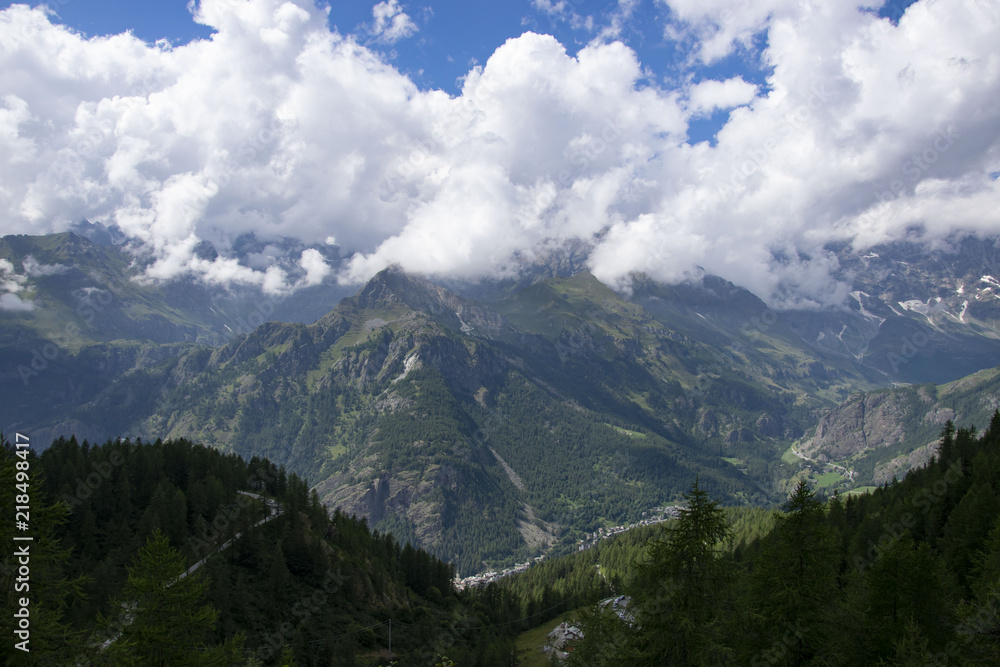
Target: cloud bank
<point>278,126</point>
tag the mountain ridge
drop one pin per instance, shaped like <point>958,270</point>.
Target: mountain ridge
<point>487,431</point>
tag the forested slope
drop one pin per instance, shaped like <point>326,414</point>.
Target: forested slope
<point>909,574</point>
<point>313,587</point>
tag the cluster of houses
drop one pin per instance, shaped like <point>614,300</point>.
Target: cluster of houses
<point>655,515</point>
<point>484,578</point>
<point>559,643</point>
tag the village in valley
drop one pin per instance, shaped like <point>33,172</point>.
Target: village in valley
<point>589,540</point>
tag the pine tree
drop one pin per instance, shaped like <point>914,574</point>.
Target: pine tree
<point>947,448</point>
<point>795,581</point>
<point>682,591</point>
<point>48,590</point>
<point>163,620</point>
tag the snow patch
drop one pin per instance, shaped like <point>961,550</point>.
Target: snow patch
<point>857,294</point>
<point>409,364</point>
<point>466,329</point>
<point>926,309</point>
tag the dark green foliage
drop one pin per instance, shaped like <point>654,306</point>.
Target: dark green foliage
<point>304,586</point>
<point>47,581</point>
<point>684,586</point>
<point>161,616</point>
<point>794,580</point>
<point>906,575</point>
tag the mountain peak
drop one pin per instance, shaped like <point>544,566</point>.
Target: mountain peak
<point>392,287</point>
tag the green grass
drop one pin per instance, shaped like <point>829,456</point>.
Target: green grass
<point>829,479</point>
<point>789,457</point>
<point>530,642</point>
<point>861,489</point>
<point>968,382</point>
<point>625,431</point>
<point>357,335</point>
<point>640,400</point>
<point>735,462</point>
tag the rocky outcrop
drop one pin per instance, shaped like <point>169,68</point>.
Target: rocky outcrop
<point>899,466</point>
<point>769,426</point>
<point>863,422</point>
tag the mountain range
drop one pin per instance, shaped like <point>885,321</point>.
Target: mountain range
<point>493,421</point>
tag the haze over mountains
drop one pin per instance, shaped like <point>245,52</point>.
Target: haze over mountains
<point>491,428</point>
<point>739,137</point>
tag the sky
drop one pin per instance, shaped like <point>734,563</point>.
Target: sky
<point>464,139</point>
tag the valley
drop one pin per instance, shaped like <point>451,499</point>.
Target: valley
<point>493,431</point>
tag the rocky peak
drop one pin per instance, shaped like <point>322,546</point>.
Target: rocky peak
<point>393,287</point>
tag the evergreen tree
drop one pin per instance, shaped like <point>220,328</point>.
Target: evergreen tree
<point>795,581</point>
<point>163,620</point>
<point>47,588</point>
<point>683,590</point>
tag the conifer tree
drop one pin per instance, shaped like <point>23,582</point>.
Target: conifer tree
<point>682,591</point>
<point>795,581</point>
<point>51,639</point>
<point>164,620</point>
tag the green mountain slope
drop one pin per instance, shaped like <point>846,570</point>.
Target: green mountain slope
<point>884,434</point>
<point>282,573</point>
<point>485,432</point>
<point>906,575</point>
<point>435,418</point>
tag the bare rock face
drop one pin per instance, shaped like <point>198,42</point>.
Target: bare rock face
<point>863,422</point>
<point>940,416</point>
<point>899,466</point>
<point>708,423</point>
<point>739,435</point>
<point>406,494</point>
<point>769,426</point>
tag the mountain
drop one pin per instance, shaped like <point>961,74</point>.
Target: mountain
<point>76,317</point>
<point>281,578</point>
<point>492,429</point>
<point>905,575</point>
<point>884,434</point>
<point>914,315</point>
<point>74,290</point>
<point>438,419</point>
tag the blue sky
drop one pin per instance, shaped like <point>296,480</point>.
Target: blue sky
<point>458,139</point>
<point>453,36</point>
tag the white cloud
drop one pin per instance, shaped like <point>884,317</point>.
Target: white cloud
<point>13,303</point>
<point>707,96</point>
<point>11,283</point>
<point>549,7</point>
<point>34,269</point>
<point>391,22</point>
<point>618,18</point>
<point>315,267</point>
<point>279,127</point>
<point>561,11</point>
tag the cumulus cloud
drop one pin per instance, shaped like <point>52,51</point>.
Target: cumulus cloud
<point>10,284</point>
<point>710,95</point>
<point>279,127</point>
<point>391,22</point>
<point>34,269</point>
